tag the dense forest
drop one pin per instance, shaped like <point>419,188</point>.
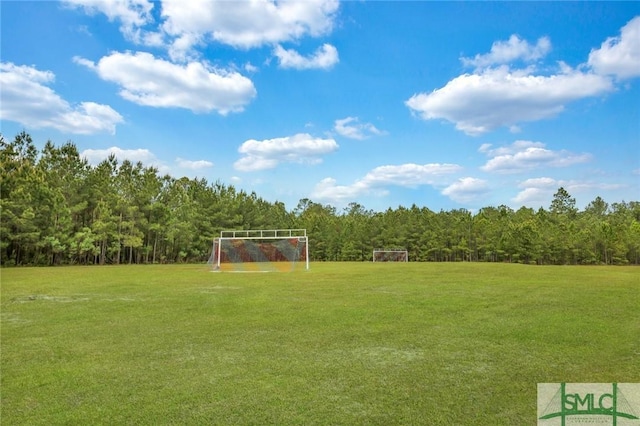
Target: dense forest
<point>57,209</point>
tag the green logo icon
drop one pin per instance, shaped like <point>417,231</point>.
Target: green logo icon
<point>616,404</point>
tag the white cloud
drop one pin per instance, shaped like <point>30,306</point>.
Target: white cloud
<point>466,190</point>
<point>193,165</point>
<point>541,182</point>
<point>351,127</point>
<point>27,99</point>
<point>619,56</point>
<point>244,24</point>
<point>198,87</point>
<point>328,190</point>
<point>324,57</point>
<point>267,154</point>
<point>132,14</point>
<point>250,68</point>
<point>496,95</point>
<point>485,147</point>
<point>505,52</point>
<point>410,174</point>
<point>252,163</point>
<point>538,192</point>
<point>514,148</point>
<point>479,103</point>
<point>146,157</point>
<point>533,197</point>
<point>526,155</point>
<point>375,182</point>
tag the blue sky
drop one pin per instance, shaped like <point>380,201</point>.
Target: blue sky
<point>440,104</point>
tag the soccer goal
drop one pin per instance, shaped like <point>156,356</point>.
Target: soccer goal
<point>261,250</point>
<point>390,255</point>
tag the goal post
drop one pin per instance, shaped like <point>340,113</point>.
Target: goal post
<point>261,250</point>
<point>390,255</point>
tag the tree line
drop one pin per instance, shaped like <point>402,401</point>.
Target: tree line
<point>58,209</point>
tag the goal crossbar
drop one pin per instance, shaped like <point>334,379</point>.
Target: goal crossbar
<point>263,233</point>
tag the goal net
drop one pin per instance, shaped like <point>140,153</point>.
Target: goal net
<point>261,250</point>
<point>390,255</point>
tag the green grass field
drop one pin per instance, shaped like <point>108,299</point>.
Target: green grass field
<point>342,343</point>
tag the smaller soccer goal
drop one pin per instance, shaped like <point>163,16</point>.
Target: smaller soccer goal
<point>390,255</point>
<point>261,250</point>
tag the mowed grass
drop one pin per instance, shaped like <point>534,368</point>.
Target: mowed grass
<point>342,343</point>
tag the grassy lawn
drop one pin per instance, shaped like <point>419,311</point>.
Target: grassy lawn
<point>342,343</point>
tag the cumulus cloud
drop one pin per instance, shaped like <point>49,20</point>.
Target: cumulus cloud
<point>514,148</point>
<point>132,15</point>
<point>533,197</point>
<point>250,68</point>
<point>409,175</point>
<point>479,103</point>
<point>526,155</point>
<point>240,24</point>
<point>329,190</point>
<point>193,165</point>
<point>146,157</point>
<point>352,128</point>
<point>146,80</point>
<point>323,58</point>
<point>377,180</point>
<point>244,24</point>
<point>27,99</point>
<point>497,95</point>
<point>267,154</point>
<point>466,190</point>
<point>538,192</point>
<point>619,56</point>
<point>505,52</point>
